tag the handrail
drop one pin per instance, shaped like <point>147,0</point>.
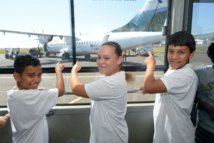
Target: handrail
<point>129,91</point>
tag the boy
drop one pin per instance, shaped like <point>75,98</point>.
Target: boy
<point>205,100</point>
<point>27,105</point>
<point>175,91</point>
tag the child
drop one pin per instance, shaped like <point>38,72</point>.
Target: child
<point>108,94</point>
<point>175,91</point>
<point>205,100</point>
<point>28,105</point>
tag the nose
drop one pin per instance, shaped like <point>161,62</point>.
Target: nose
<point>37,78</point>
<point>175,55</point>
<point>99,60</point>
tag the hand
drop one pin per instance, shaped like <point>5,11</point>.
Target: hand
<point>76,67</point>
<point>3,121</point>
<point>209,108</point>
<point>59,67</point>
<point>142,88</point>
<point>150,60</point>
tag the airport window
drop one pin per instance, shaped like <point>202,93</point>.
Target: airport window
<point>98,21</point>
<point>202,29</point>
<point>93,26</point>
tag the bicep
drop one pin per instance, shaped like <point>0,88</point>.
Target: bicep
<point>79,90</point>
<point>157,86</point>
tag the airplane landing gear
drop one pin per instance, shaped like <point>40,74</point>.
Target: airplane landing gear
<point>88,57</point>
<point>65,56</point>
<point>47,54</point>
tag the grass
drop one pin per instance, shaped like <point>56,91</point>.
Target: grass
<point>162,49</point>
<point>158,49</point>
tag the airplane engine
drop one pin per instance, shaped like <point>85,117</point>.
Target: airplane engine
<point>45,39</point>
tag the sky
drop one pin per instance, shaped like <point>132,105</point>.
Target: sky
<point>53,17</point>
<point>91,18</point>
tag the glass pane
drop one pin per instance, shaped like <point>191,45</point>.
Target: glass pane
<point>203,30</point>
<point>27,27</point>
<point>135,24</point>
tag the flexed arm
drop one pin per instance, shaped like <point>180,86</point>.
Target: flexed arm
<point>152,85</point>
<point>76,86</point>
<point>209,108</point>
<point>59,79</point>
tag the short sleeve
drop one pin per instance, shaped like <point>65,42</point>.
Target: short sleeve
<point>109,87</point>
<point>180,82</point>
<point>97,90</point>
<point>34,102</point>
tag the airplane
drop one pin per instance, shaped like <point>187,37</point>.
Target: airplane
<point>144,29</point>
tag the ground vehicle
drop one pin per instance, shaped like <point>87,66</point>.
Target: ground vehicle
<point>11,52</point>
<point>36,52</point>
<point>143,51</point>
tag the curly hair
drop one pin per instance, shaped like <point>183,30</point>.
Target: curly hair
<point>23,61</point>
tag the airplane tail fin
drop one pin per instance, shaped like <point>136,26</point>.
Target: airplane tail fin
<point>150,18</point>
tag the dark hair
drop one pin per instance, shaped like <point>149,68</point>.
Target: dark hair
<point>118,52</point>
<point>22,61</point>
<point>118,49</point>
<point>210,52</point>
<point>183,38</point>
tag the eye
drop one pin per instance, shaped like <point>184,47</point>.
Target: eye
<point>31,75</point>
<point>181,52</point>
<point>106,58</point>
<point>170,51</point>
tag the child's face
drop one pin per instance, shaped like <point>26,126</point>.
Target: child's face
<point>30,78</point>
<point>178,56</point>
<point>108,62</point>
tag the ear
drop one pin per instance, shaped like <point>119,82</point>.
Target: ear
<point>16,76</point>
<point>192,54</point>
<point>120,60</point>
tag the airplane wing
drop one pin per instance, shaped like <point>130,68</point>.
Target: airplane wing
<point>43,37</point>
<point>31,33</point>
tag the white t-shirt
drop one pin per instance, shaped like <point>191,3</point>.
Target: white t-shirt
<point>206,94</point>
<point>108,109</point>
<point>172,109</point>
<point>27,110</point>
